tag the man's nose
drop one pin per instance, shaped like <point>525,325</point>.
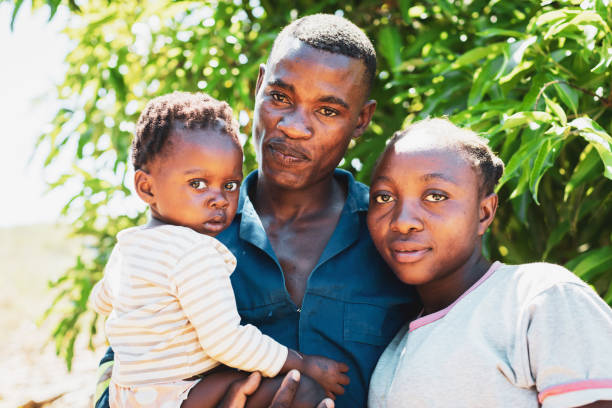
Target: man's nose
<point>217,200</point>
<point>407,218</point>
<point>296,124</point>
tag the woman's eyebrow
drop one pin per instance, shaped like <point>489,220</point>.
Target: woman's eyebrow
<point>438,176</point>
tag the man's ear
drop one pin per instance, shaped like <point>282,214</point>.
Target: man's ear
<point>365,116</point>
<point>260,77</point>
<point>486,212</point>
<point>144,187</point>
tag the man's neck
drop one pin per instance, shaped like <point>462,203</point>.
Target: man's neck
<point>282,204</point>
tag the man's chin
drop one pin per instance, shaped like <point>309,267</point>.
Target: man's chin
<point>291,179</point>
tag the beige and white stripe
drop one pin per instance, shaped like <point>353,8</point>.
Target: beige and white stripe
<point>172,309</point>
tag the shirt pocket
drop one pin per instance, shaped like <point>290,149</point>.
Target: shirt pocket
<point>370,324</point>
<point>257,316</point>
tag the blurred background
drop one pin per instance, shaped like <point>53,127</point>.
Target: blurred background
<point>534,77</point>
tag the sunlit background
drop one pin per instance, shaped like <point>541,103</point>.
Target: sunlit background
<point>33,246</point>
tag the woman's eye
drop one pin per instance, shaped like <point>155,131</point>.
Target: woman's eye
<point>328,112</point>
<point>435,197</point>
<point>231,186</point>
<point>198,184</point>
<point>383,198</point>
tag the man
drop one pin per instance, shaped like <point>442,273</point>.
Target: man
<point>308,274</point>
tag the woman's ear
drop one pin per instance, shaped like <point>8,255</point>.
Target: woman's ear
<point>144,187</point>
<point>486,212</point>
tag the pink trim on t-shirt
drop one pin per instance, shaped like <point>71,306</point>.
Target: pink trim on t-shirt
<point>432,317</point>
<point>574,386</point>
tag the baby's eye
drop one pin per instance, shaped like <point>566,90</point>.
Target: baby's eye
<point>198,184</point>
<point>329,112</point>
<point>231,186</point>
<point>435,197</point>
<point>383,198</point>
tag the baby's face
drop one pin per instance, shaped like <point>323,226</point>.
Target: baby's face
<point>196,182</point>
<point>425,212</point>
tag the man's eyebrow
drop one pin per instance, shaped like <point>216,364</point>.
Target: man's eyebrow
<point>282,84</point>
<point>438,176</point>
<point>334,100</point>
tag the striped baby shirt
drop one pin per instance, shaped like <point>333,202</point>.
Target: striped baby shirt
<point>172,311</point>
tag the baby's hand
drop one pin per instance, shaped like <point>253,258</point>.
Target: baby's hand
<point>328,373</point>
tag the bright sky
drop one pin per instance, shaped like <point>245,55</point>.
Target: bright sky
<point>32,62</point>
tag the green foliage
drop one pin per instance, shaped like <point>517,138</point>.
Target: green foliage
<point>534,78</point>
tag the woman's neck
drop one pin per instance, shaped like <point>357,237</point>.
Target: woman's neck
<point>442,292</point>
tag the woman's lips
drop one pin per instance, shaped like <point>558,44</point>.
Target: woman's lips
<point>407,252</point>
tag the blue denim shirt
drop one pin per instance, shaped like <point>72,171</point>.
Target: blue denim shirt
<point>353,304</point>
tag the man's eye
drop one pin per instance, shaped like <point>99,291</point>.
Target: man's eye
<point>435,197</point>
<point>328,112</point>
<point>279,97</point>
<point>198,184</point>
<point>383,198</point>
<point>231,186</point>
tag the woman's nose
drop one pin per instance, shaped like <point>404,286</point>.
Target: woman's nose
<point>406,218</point>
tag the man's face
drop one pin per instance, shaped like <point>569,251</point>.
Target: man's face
<point>308,105</point>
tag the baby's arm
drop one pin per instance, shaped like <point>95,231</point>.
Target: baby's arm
<point>100,297</point>
<point>204,290</point>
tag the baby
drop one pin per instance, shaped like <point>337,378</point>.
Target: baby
<point>167,284</point>
<point>490,334</point>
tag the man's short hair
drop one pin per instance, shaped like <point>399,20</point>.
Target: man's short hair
<point>334,34</point>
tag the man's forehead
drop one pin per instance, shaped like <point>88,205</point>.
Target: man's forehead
<point>291,49</point>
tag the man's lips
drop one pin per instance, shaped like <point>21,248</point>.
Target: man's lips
<point>408,252</point>
<point>287,152</point>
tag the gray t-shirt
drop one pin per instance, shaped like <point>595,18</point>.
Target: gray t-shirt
<point>523,335</point>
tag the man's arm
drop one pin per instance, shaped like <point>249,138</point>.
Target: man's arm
<point>105,370</point>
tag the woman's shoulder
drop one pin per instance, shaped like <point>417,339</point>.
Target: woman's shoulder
<point>532,279</point>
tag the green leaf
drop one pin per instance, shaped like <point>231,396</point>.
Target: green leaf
<point>479,53</point>
<point>551,16</point>
<point>568,95</point>
<point>16,7</point>
<point>389,45</point>
<point>586,168</point>
<point>594,134</point>
<point>592,263</point>
<point>526,151</point>
<point>547,154</point>
<point>557,110</point>
<point>522,118</point>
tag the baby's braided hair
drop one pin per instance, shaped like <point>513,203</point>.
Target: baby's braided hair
<point>175,111</point>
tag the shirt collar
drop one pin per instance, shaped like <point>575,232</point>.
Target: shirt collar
<point>347,230</point>
<point>357,198</point>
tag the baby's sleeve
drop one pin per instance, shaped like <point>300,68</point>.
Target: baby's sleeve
<point>101,296</point>
<point>569,338</point>
<point>205,292</point>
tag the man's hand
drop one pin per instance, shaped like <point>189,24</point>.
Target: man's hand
<point>237,395</point>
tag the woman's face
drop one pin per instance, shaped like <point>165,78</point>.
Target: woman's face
<point>426,215</point>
